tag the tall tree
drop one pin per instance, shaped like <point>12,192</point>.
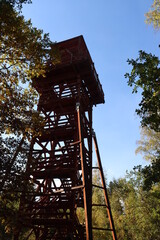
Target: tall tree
<point>135,210</point>
<point>145,74</point>
<point>25,53</point>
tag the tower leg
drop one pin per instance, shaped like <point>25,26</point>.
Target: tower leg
<point>104,188</point>
<point>85,179</point>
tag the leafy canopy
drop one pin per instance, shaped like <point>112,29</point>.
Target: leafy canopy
<point>16,3</point>
<point>136,211</point>
<point>153,16</point>
<point>24,53</point>
<point>145,74</point>
<point>149,145</point>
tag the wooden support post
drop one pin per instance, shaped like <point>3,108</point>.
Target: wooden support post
<point>86,197</point>
<point>104,188</point>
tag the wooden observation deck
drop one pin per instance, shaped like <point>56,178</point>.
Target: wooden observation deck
<point>75,60</point>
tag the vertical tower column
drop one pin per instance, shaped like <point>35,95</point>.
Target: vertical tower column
<point>109,212</point>
<point>86,168</point>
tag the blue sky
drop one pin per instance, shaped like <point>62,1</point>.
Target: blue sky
<point>114,31</point>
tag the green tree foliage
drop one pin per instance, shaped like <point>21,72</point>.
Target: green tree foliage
<point>145,74</point>
<point>25,53</point>
<point>153,16</point>
<point>8,215</point>
<point>135,211</point>
<point>149,145</point>
<point>12,180</point>
<point>17,4</point>
<point>151,174</point>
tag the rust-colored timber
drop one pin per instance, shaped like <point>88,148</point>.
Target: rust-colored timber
<point>58,177</point>
<point>112,228</point>
<point>86,179</point>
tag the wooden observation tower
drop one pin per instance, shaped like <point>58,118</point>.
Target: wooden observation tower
<point>60,161</point>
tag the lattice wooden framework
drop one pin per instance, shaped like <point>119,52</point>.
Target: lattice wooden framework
<point>60,161</point>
